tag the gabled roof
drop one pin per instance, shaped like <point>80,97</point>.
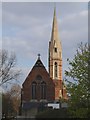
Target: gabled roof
<point>38,63</point>
<point>37,69</point>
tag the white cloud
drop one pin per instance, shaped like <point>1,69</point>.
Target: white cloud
<point>74,29</point>
<point>30,35</point>
<point>19,20</point>
<point>84,13</point>
<point>75,15</point>
<point>75,21</point>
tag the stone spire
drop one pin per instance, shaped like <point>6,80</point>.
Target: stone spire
<point>54,35</point>
<point>55,52</point>
<point>55,58</point>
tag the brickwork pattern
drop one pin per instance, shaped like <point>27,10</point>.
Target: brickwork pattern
<point>50,87</point>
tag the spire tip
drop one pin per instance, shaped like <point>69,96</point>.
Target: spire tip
<point>39,56</point>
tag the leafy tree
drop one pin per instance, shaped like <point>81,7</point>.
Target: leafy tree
<point>79,85</point>
<point>8,72</point>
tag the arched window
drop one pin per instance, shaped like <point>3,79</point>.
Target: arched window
<point>55,69</point>
<point>34,85</point>
<point>43,90</point>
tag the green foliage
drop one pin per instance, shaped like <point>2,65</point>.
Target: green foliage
<point>78,113</point>
<point>79,88</point>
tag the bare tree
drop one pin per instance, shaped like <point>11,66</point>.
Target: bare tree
<point>11,101</point>
<point>8,71</point>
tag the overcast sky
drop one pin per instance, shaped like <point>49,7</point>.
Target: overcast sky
<point>26,30</point>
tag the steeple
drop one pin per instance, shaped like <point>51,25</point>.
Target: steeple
<point>55,58</point>
<point>55,52</point>
<point>54,34</point>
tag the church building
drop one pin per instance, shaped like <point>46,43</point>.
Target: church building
<point>46,86</point>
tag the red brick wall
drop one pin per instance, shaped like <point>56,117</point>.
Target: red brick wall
<point>50,87</point>
<point>58,87</point>
<point>65,94</point>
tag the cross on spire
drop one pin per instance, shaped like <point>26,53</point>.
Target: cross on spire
<point>39,56</point>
